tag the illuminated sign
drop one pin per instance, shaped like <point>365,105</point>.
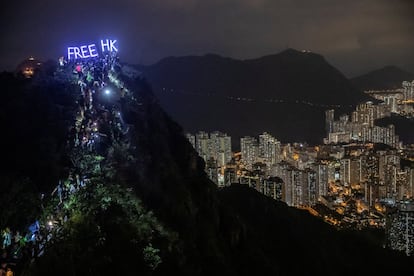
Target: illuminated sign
<point>91,50</point>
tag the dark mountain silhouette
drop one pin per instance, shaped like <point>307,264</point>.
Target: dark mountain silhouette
<point>389,77</point>
<point>246,97</point>
<point>234,231</point>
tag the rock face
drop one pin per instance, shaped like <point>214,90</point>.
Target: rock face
<point>234,231</point>
<point>247,97</point>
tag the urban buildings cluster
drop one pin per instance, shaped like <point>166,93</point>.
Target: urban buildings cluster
<point>215,149</point>
<point>399,100</point>
<point>360,127</point>
<point>400,227</point>
<point>362,176</point>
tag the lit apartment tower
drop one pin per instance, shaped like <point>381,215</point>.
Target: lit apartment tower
<point>350,171</point>
<point>310,194</point>
<point>345,171</point>
<point>273,187</point>
<point>383,110</point>
<point>321,179</point>
<point>366,113</point>
<point>391,101</point>
<point>220,147</point>
<point>283,170</point>
<point>329,120</point>
<point>333,171</point>
<point>356,117</point>
<point>287,190</point>
<point>400,227</point>
<point>249,150</point>
<point>408,90</point>
<point>376,134</point>
<point>203,145</point>
<point>387,159</point>
<point>269,148</point>
<point>410,182</point>
<point>389,166</point>
<point>402,179</point>
<point>230,175</point>
<point>298,182</point>
<point>355,171</point>
<point>191,139</point>
<point>212,170</point>
<point>371,178</point>
<point>390,181</point>
<point>299,187</point>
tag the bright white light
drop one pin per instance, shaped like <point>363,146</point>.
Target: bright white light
<point>50,223</point>
<point>107,92</point>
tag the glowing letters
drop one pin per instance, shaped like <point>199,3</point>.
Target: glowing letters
<point>109,44</point>
<point>91,51</point>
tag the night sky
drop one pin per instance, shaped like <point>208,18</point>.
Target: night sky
<point>355,36</point>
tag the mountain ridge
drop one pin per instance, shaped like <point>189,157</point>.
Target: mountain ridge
<point>218,92</point>
<point>385,78</point>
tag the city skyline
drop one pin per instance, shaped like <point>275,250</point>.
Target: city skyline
<point>359,178</point>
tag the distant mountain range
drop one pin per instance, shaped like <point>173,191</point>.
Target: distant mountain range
<point>285,94</point>
<point>389,77</point>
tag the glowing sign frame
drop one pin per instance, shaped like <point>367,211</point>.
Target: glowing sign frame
<point>90,50</point>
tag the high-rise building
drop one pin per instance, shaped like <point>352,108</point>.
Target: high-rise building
<point>217,145</point>
<point>410,182</point>
<point>203,145</point>
<point>400,227</point>
<point>391,101</point>
<point>283,171</point>
<point>310,191</point>
<point>321,179</point>
<point>212,170</point>
<point>220,148</point>
<point>355,171</point>
<point>249,150</point>
<point>230,175</point>
<point>269,149</point>
<point>215,149</point>
<point>345,171</point>
<point>273,187</point>
<point>329,120</point>
<point>408,91</point>
<point>295,185</point>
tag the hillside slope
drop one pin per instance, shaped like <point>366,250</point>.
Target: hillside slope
<point>235,231</point>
